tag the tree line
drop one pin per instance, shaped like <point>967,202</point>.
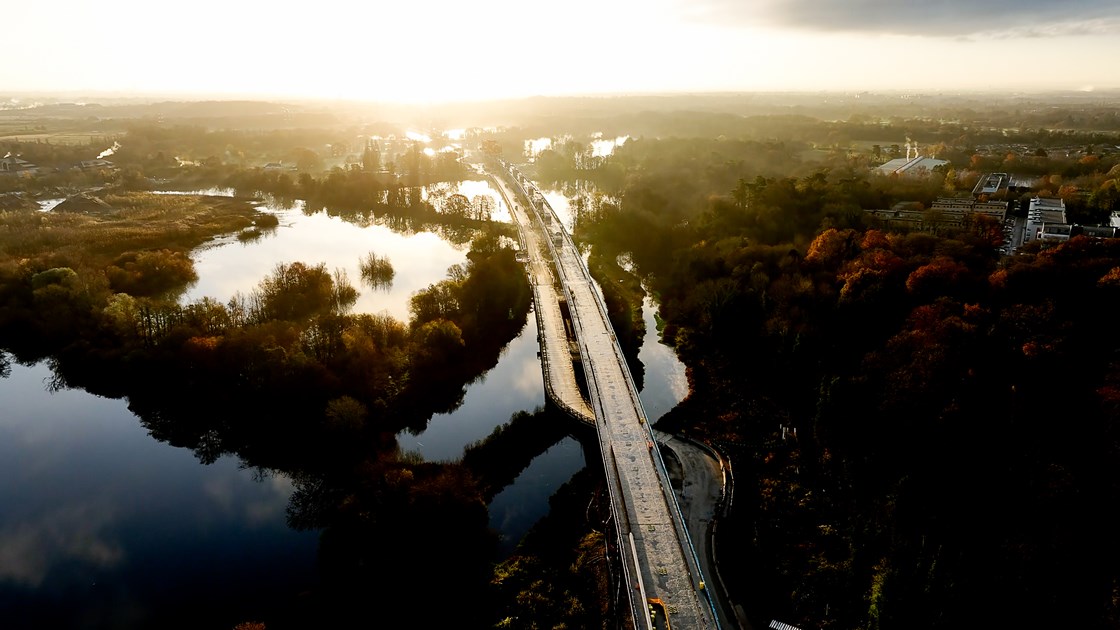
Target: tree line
<point>924,431</point>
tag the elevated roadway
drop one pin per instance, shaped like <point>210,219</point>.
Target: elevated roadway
<point>660,563</point>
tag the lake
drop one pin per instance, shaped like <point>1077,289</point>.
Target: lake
<point>104,526</point>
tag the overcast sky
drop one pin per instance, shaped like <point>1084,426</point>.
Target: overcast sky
<point>451,49</point>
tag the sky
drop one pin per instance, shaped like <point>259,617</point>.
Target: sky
<point>450,50</point>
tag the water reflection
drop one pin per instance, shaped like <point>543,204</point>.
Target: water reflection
<point>103,526</point>
<point>570,200</point>
<point>516,508</point>
<point>214,191</point>
<point>603,147</point>
<point>46,205</point>
<point>476,191</point>
<point>91,500</point>
<point>228,266</point>
<point>665,383</point>
<point>535,146</point>
<point>514,384</point>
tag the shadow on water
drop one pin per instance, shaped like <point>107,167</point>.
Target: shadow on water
<point>282,395</point>
<point>391,526</point>
<point>500,458</point>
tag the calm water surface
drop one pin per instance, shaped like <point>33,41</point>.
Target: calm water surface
<point>515,384</point>
<point>665,382</point>
<point>521,504</point>
<point>228,266</point>
<point>103,526</point>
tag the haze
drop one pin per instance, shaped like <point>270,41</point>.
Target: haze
<point>442,50</point>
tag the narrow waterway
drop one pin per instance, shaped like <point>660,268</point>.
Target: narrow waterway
<point>665,383</point>
<point>103,526</point>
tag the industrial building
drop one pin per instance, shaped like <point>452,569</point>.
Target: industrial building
<point>911,167</point>
<point>992,184</point>
<point>1042,212</point>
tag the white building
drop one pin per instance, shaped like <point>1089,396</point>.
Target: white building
<point>14,166</point>
<point>1041,213</point>
<point>911,167</point>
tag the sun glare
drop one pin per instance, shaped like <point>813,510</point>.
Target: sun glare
<point>443,50</point>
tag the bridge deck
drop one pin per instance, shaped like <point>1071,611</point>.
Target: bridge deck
<point>662,563</point>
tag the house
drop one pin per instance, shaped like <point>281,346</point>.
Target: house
<point>11,165</point>
<point>97,165</point>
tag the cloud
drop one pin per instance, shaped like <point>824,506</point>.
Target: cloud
<point>29,550</point>
<point>935,18</point>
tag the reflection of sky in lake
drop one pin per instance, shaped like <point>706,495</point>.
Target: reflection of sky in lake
<point>46,205</point>
<point>534,146</point>
<point>603,148</point>
<point>521,504</point>
<point>100,520</point>
<point>515,384</point>
<point>561,206</point>
<point>665,382</point>
<point>419,259</point>
<point>103,526</point>
<point>471,188</point>
<point>212,191</point>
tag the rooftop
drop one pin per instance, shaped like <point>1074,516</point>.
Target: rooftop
<point>991,184</point>
<point>913,166</point>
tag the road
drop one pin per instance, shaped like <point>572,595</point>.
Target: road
<point>700,497</point>
<point>662,564</point>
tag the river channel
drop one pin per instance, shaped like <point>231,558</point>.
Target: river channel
<point>104,526</point>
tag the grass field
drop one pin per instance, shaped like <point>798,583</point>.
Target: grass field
<point>61,138</point>
<point>23,127</point>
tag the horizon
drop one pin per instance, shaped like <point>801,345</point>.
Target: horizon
<point>433,51</point>
<point>93,97</point>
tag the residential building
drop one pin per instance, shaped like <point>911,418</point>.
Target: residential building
<point>906,215</point>
<point>11,165</point>
<point>97,165</point>
<point>955,209</point>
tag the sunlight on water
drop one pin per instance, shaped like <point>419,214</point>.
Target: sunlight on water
<point>665,381</point>
<point>419,259</point>
<point>46,205</point>
<point>533,148</point>
<point>514,384</point>
<point>471,189</point>
<point>212,192</point>
<point>603,148</point>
